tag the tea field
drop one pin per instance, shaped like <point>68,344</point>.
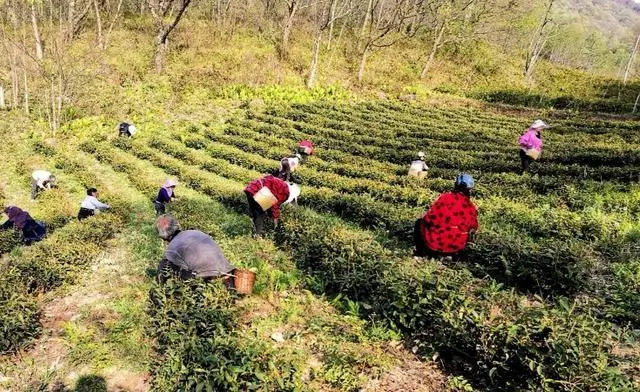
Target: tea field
<point>547,300</point>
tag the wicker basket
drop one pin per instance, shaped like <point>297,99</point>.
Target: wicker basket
<point>244,280</point>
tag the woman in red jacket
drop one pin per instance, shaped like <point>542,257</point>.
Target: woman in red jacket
<point>447,226</point>
<point>265,196</point>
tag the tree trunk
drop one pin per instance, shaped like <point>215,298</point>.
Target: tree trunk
<point>635,106</point>
<point>161,49</point>
<point>2,104</point>
<point>15,86</point>
<point>98,24</point>
<point>315,56</point>
<point>363,61</point>
<point>332,17</point>
<point>434,49</point>
<point>71,15</point>
<point>286,31</point>
<point>537,44</point>
<point>164,30</point>
<point>113,22</point>
<point>630,63</point>
<point>36,33</point>
<point>26,92</point>
<point>367,15</point>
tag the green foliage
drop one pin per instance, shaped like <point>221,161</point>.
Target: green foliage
<point>194,326</point>
<point>544,234</point>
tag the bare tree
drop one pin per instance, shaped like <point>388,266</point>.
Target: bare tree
<point>292,9</point>
<point>456,21</point>
<point>385,23</point>
<point>325,18</point>
<point>114,18</point>
<point>75,19</point>
<point>162,11</point>
<point>539,41</point>
<point>100,39</point>
<point>632,57</point>
<point>36,33</point>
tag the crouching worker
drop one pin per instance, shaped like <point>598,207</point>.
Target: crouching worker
<point>32,231</point>
<point>287,167</point>
<point>166,195</point>
<point>190,253</point>
<point>418,167</point>
<point>305,148</point>
<point>126,129</point>
<point>90,204</point>
<point>41,180</point>
<point>447,226</point>
<point>265,196</point>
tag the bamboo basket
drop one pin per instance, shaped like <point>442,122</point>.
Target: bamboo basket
<point>244,280</point>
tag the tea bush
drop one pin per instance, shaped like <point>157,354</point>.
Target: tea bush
<point>195,328</point>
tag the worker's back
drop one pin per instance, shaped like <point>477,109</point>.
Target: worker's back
<point>196,251</point>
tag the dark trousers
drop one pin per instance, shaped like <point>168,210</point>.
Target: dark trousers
<point>258,216</point>
<point>525,161</point>
<point>34,189</point>
<point>161,209</point>
<point>85,213</point>
<point>32,231</point>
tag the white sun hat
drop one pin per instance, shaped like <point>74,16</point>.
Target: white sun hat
<point>539,124</point>
<point>294,192</point>
<point>132,129</point>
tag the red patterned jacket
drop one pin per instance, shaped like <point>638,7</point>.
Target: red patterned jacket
<point>279,188</point>
<point>447,224</point>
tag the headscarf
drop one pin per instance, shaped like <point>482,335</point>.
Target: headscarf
<point>17,216</point>
<point>167,186</point>
<point>306,147</point>
<point>465,180</point>
<point>539,125</point>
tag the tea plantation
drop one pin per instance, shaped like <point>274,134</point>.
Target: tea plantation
<point>548,299</point>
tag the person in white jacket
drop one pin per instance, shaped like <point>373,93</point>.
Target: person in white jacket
<point>418,167</point>
<point>41,180</point>
<point>90,204</point>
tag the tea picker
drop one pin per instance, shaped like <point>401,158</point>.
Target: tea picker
<point>418,167</point>
<point>265,196</point>
<point>126,129</point>
<point>91,204</point>
<point>166,195</point>
<point>190,253</point>
<point>289,164</point>
<point>41,180</point>
<point>531,145</point>
<point>447,227</point>
<point>19,219</point>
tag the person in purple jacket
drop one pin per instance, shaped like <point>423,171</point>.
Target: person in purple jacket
<point>166,194</point>
<point>531,144</point>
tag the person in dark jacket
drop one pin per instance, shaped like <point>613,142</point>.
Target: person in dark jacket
<point>90,204</point>
<point>265,196</point>
<point>126,129</point>
<point>166,195</point>
<point>289,164</point>
<point>287,167</point>
<point>32,231</point>
<point>190,253</point>
<point>448,225</point>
